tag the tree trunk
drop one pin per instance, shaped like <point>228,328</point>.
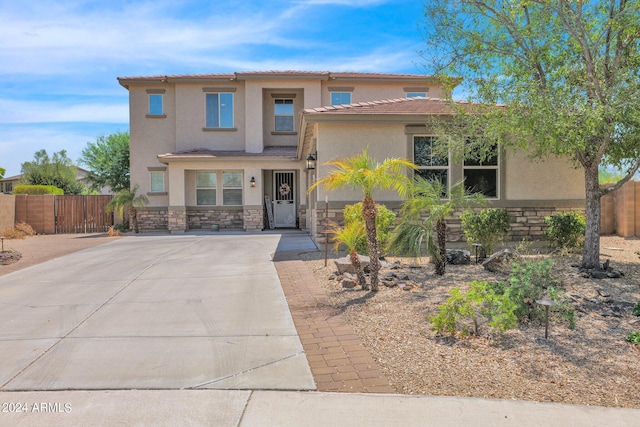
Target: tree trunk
<point>591,256</point>
<point>357,265</point>
<point>369,214</point>
<point>440,261</point>
<point>133,217</point>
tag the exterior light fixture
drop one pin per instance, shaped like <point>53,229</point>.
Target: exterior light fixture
<point>311,162</point>
<point>252,182</point>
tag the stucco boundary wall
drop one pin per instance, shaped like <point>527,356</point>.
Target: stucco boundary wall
<point>525,222</point>
<point>36,210</point>
<point>620,211</point>
<point>7,211</point>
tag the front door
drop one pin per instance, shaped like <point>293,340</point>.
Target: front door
<point>284,199</point>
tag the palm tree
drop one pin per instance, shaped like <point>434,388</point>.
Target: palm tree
<point>361,172</point>
<point>351,236</point>
<point>127,199</point>
<point>415,232</point>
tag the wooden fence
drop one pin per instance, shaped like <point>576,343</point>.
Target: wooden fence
<point>49,214</point>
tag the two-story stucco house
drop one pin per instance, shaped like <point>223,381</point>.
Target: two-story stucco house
<point>240,150</point>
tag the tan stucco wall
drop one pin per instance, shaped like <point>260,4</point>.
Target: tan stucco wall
<point>551,179</point>
<point>7,211</point>
<point>337,140</point>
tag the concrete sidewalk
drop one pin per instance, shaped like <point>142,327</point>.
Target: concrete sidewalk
<point>245,408</point>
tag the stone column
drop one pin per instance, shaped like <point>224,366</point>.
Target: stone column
<point>177,219</point>
<point>253,218</point>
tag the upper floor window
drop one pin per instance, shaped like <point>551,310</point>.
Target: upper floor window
<point>416,94</point>
<point>340,98</point>
<point>206,188</point>
<point>219,110</point>
<point>284,115</point>
<point>155,104</point>
<point>482,176</point>
<point>432,166</point>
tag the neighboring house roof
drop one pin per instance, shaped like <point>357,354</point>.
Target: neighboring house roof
<point>205,154</point>
<point>288,74</point>
<point>12,178</point>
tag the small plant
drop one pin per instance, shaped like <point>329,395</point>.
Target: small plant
<point>487,227</point>
<point>384,221</point>
<point>123,227</point>
<point>636,309</point>
<point>112,232</point>
<point>465,312</point>
<point>565,230</point>
<point>634,337</point>
<point>531,281</point>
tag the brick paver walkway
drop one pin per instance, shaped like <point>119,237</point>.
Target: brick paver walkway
<point>338,360</point>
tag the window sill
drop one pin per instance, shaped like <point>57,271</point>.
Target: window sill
<point>157,193</point>
<point>220,129</point>
<point>283,133</point>
<point>156,116</point>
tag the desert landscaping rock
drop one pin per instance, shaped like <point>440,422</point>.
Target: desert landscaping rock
<point>499,262</point>
<point>458,257</point>
<point>344,264</point>
<point>9,257</point>
<point>589,365</point>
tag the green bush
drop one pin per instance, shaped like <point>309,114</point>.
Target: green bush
<point>384,221</point>
<point>487,227</point>
<point>636,309</point>
<point>37,189</point>
<point>530,281</point>
<point>565,230</point>
<point>465,312</point>
<point>634,337</point>
<point>123,227</point>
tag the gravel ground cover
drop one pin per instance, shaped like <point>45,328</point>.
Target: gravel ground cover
<point>591,364</point>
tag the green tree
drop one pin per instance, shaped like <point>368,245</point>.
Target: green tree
<point>57,170</point>
<point>385,219</point>
<point>108,161</point>
<point>2,172</point>
<point>128,200</point>
<point>566,72</point>
<point>351,235</point>
<point>425,214</point>
<point>366,174</point>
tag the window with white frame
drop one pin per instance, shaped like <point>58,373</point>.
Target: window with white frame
<point>432,166</point>
<point>219,110</point>
<point>283,109</point>
<point>416,94</point>
<point>206,188</point>
<point>157,181</point>
<point>482,176</point>
<point>340,98</point>
<point>232,188</point>
<point>155,104</point>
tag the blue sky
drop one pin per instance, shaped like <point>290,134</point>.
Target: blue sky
<point>59,59</point>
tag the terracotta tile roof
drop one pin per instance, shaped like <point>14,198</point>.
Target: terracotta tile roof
<point>206,154</point>
<point>417,105</point>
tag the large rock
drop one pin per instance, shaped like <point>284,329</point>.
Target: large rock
<point>499,262</point>
<point>458,257</point>
<point>344,264</point>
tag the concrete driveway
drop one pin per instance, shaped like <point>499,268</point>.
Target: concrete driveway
<point>154,312</point>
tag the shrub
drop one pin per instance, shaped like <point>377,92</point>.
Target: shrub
<point>565,230</point>
<point>25,228</point>
<point>487,227</point>
<point>634,337</point>
<point>19,231</point>
<point>530,281</point>
<point>123,227</point>
<point>112,232</point>
<point>37,189</point>
<point>384,221</point>
<point>636,309</point>
<point>465,312</point>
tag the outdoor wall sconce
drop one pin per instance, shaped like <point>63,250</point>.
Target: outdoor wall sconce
<point>311,162</point>
<point>252,182</point>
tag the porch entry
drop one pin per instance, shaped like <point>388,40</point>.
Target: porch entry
<point>284,199</point>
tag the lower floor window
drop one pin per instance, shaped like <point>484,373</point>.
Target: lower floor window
<point>207,184</point>
<point>157,181</point>
<point>484,181</point>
